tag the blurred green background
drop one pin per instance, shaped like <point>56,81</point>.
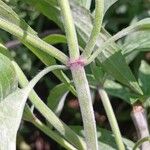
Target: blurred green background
<point>119,16</point>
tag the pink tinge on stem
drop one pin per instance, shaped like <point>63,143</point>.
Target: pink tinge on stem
<point>76,63</point>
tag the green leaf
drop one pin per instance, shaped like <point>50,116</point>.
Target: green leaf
<point>4,51</point>
<point>55,39</point>
<point>11,110</point>
<point>48,8</point>
<point>108,4</point>
<point>56,98</point>
<point>144,77</point>
<point>98,73</point>
<point>10,21</point>
<point>135,43</point>
<point>8,77</point>
<point>48,60</point>
<point>30,117</point>
<point>7,13</point>
<point>23,31</point>
<point>115,65</point>
<point>84,3</point>
<point>83,18</point>
<point>115,89</point>
<point>61,127</point>
<point>111,58</point>
<point>105,138</point>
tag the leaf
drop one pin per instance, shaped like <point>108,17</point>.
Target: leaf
<point>23,31</point>
<point>108,4</point>
<point>98,73</point>
<point>11,110</point>
<point>7,13</point>
<point>144,77</point>
<point>135,43</point>
<point>55,39</point>
<point>48,8</point>
<point>61,127</point>
<point>4,51</point>
<point>48,60</point>
<point>10,21</point>
<point>116,66</point>
<point>8,77</point>
<point>83,3</point>
<point>30,117</point>
<point>117,90</point>
<point>111,58</point>
<point>83,18</point>
<point>105,138</point>
<point>56,98</point>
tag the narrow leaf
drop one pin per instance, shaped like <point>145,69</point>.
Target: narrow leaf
<point>111,58</point>
<point>20,29</point>
<point>11,110</point>
<point>56,98</point>
<point>108,4</point>
<point>55,39</point>
<point>144,77</point>
<point>8,77</point>
<point>135,43</point>
<point>30,117</point>
<point>117,90</point>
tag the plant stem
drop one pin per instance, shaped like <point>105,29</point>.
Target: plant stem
<point>30,117</point>
<point>111,118</point>
<point>83,92</point>
<point>140,142</point>
<point>79,78</point>
<point>64,130</point>
<point>141,25</point>
<point>32,39</point>
<point>53,135</point>
<point>140,121</point>
<point>69,29</point>
<point>96,28</point>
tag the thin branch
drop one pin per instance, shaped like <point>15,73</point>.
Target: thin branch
<point>99,10</point>
<point>16,43</point>
<point>69,29</point>
<point>111,117</point>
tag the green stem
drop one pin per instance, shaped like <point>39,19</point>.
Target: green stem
<point>111,118</point>
<point>141,25</point>
<point>85,101</point>
<point>69,29</point>
<point>96,28</point>
<point>34,81</point>
<point>30,117</point>
<point>140,142</point>
<point>34,40</point>
<point>79,78</point>
<point>64,130</point>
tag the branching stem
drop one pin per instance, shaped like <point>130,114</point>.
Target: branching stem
<point>76,65</point>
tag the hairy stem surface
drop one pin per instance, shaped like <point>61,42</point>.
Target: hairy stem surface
<point>111,118</point>
<point>85,101</point>
<point>76,65</point>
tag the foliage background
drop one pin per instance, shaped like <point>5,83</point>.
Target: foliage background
<point>119,16</point>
